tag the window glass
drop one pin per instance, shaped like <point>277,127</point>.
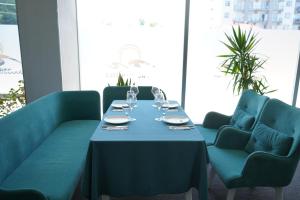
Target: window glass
<point>140,39</point>
<point>11,77</point>
<point>207,87</point>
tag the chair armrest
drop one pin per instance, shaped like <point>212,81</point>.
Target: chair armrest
<point>215,120</point>
<point>80,105</point>
<point>25,194</point>
<point>232,138</point>
<point>266,169</point>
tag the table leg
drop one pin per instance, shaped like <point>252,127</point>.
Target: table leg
<point>189,195</point>
<point>105,197</point>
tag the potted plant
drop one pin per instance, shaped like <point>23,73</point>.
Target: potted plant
<point>122,82</point>
<point>242,63</point>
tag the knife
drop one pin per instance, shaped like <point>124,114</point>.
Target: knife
<point>110,127</point>
<point>183,127</point>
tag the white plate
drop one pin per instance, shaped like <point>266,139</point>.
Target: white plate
<point>119,105</point>
<point>116,119</point>
<point>175,119</point>
<point>170,105</point>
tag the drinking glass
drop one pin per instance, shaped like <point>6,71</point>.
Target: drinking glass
<point>131,100</point>
<point>134,89</point>
<point>154,90</point>
<point>165,107</point>
<point>130,96</point>
<point>159,101</point>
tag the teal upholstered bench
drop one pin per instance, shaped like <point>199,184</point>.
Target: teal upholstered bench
<point>43,146</point>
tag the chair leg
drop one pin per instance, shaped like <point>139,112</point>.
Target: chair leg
<point>231,194</point>
<point>211,175</point>
<point>188,195</point>
<point>105,197</point>
<point>279,193</point>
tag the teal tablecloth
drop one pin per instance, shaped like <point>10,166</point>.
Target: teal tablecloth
<point>145,160</point>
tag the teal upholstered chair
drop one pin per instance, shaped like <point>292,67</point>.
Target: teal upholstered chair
<point>267,157</point>
<point>245,116</point>
<point>111,93</point>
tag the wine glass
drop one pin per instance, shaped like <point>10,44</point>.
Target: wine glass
<point>134,89</point>
<point>134,102</point>
<point>165,106</point>
<point>131,100</point>
<point>159,101</point>
<point>154,90</point>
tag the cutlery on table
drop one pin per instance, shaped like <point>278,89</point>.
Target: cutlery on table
<point>175,109</point>
<point>118,110</point>
<point>182,127</point>
<point>111,127</point>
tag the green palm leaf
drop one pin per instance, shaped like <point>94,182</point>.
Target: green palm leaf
<point>241,63</point>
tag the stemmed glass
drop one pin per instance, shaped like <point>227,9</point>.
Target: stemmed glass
<point>165,106</point>
<point>159,101</point>
<point>131,100</point>
<point>134,89</point>
<point>154,90</point>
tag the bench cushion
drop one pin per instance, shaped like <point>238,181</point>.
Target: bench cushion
<point>55,167</point>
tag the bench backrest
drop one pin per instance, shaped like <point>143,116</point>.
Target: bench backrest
<point>23,131</point>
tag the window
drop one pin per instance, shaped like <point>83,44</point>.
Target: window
<point>138,40</point>
<point>227,3</point>
<point>208,89</point>
<point>289,3</point>
<point>11,77</point>
<point>135,38</point>
<point>287,15</point>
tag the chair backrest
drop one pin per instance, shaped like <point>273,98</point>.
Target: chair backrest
<point>111,93</point>
<point>252,104</point>
<point>285,119</point>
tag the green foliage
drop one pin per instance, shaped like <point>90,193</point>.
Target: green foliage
<point>14,100</point>
<point>121,81</point>
<point>242,64</point>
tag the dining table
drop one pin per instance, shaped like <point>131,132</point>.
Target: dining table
<point>147,157</point>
